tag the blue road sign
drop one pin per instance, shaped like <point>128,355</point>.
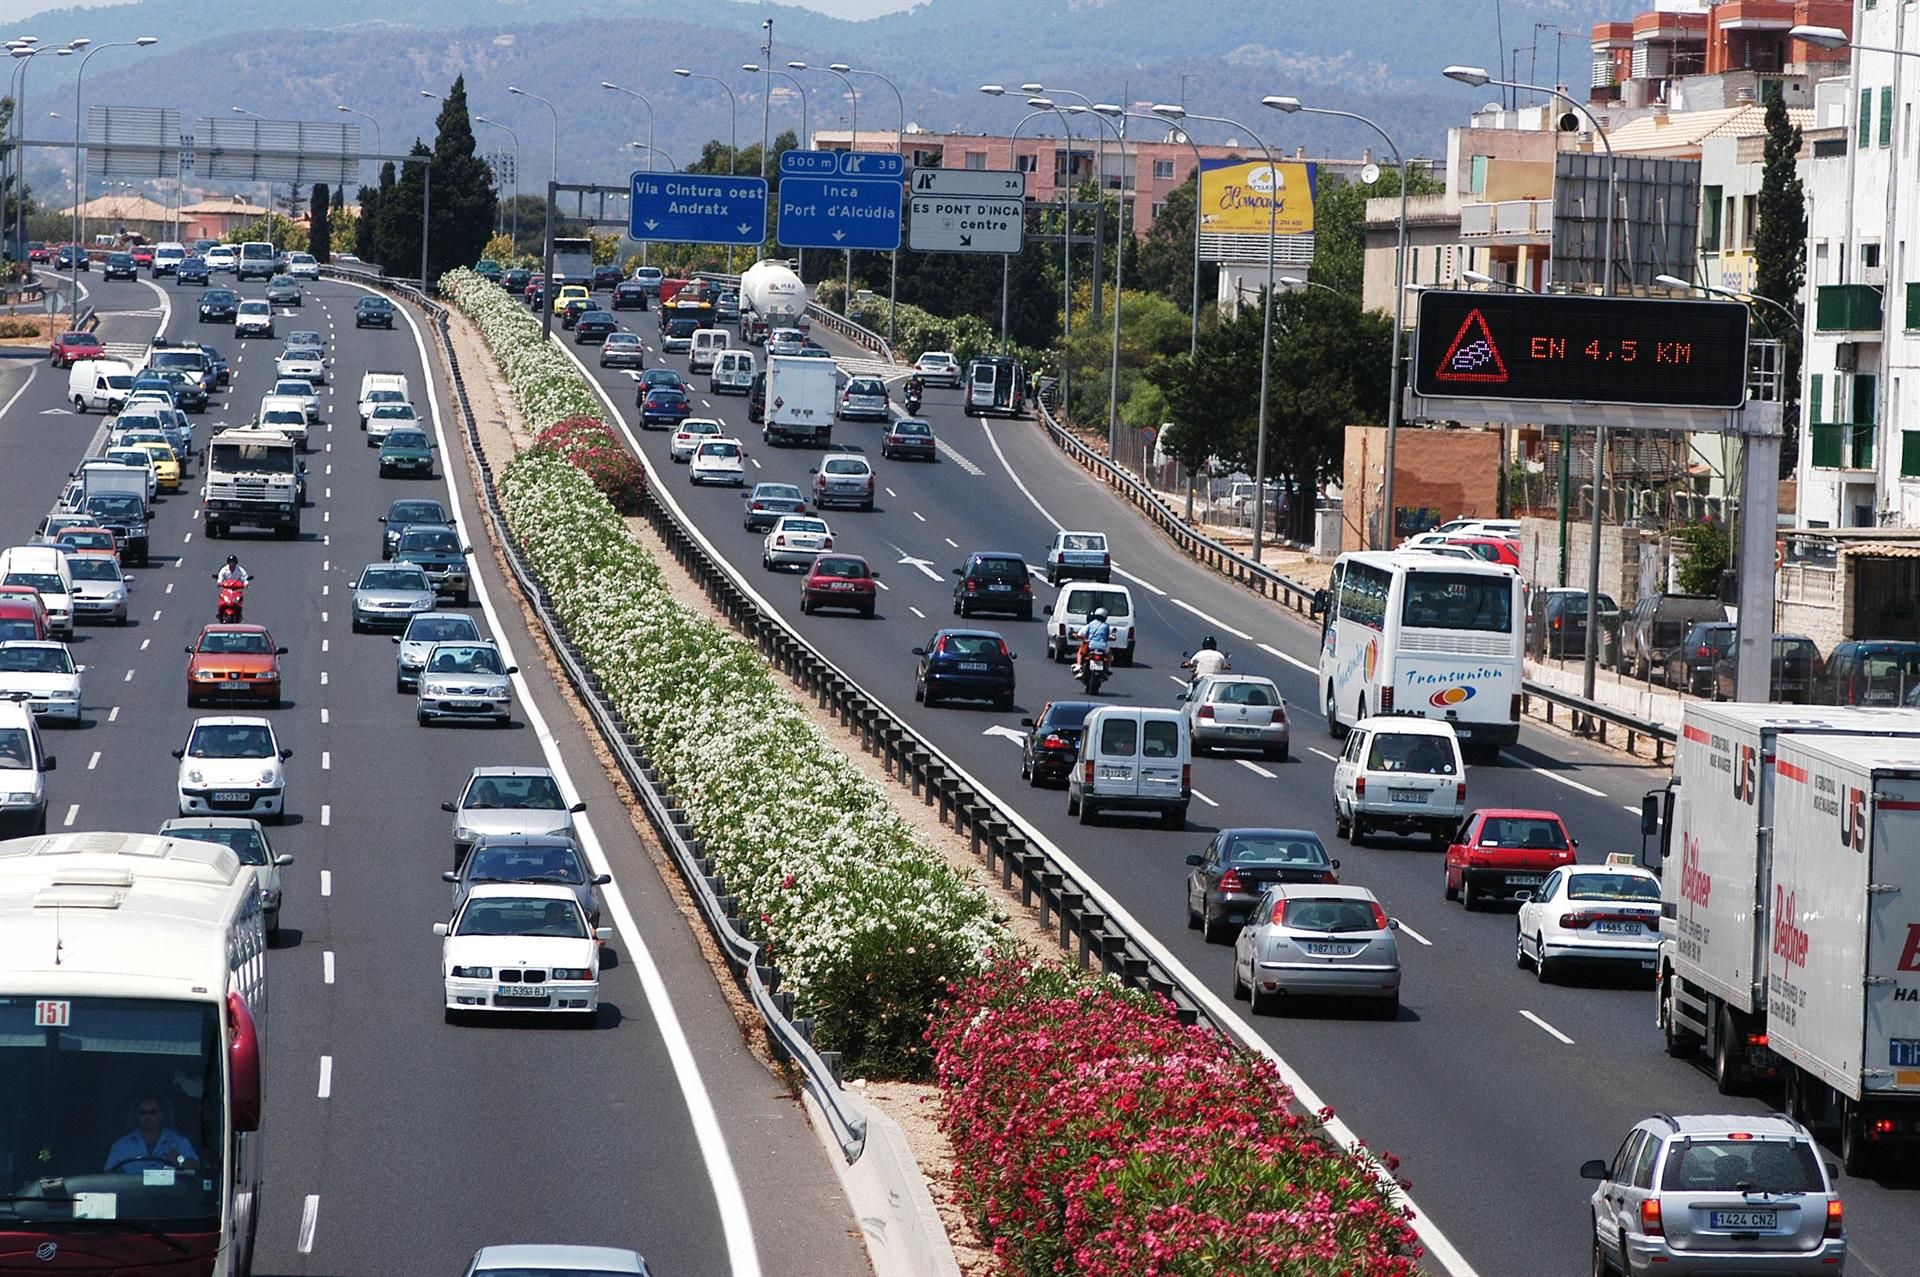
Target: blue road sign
<point>873,164</point>
<point>697,208</point>
<point>809,163</point>
<point>840,212</point>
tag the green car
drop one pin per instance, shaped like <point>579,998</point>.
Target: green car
<point>489,269</point>
<point>406,452</point>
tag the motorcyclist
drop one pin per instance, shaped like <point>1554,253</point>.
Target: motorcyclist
<point>1097,637</point>
<point>914,391</point>
<point>1208,660</point>
<point>232,573</point>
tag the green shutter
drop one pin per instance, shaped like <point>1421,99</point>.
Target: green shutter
<point>1864,134</point>
<point>1815,384</point>
<point>1827,453</point>
<point>1864,385</point>
<point>1886,116</point>
<point>1910,454</point>
<point>1913,305</point>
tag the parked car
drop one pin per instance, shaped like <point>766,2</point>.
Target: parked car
<point>1869,672</point>
<point>839,581</point>
<point>964,665</point>
<point>909,437</point>
<point>1052,741</point>
<point>1237,711</point>
<point>1490,548</point>
<point>1795,671</point>
<point>1318,940</point>
<point>1132,759</point>
<point>1557,625</point>
<point>1691,667</point>
<point>1399,774</point>
<point>1656,626</point>
<point>1238,865</point>
<point>1505,853</point>
<point>993,581</point>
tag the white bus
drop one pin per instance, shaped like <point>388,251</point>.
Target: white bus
<point>1411,633</point>
<point>132,1041</point>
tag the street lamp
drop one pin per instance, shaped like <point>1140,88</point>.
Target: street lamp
<point>22,50</point>
<point>1675,282</point>
<point>1104,112</point>
<point>1487,281</point>
<point>733,125</point>
<point>806,131</point>
<point>644,101</point>
<point>900,146</point>
<point>853,144</point>
<point>647,147</point>
<point>481,119</point>
<point>1006,260</point>
<point>553,180</point>
<point>1066,254</point>
<point>1294,281</point>
<point>79,177</point>
<point>1172,111</point>
<point>1292,105</point>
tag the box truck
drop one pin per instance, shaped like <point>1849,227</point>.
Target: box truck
<point>800,396</point>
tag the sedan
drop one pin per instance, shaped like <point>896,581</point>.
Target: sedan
<point>232,767</point>
<point>193,270</point>
<point>218,306</point>
<point>938,368</point>
<point>42,673</point>
<point>1237,711</point>
<point>794,541</point>
<point>629,294</point>
<point>422,632</point>
<point>693,432</point>
<point>70,347</point>
<point>244,837</point>
<point>768,501</point>
<point>508,800</point>
<point>307,337</point>
<point>839,581</point>
<point>1795,672</point>
<point>373,312</point>
<point>1505,852</point>
<point>1600,914</point>
<point>1238,866</point>
<point>71,257</point>
<point>302,266</point>
<point>964,665</point>
<point>622,350</point>
<point>385,418</point>
<point>663,406</point>
<point>307,363</point>
<point>909,437</point>
<point>572,308</point>
<point>284,290</point>
<point>99,587</point>
<point>387,596</point>
<point>520,947</point>
<point>1316,939</point>
<point>593,326</point>
<point>234,662</point>
<point>549,858</point>
<point>721,461</point>
<point>403,514</point>
<point>1052,741</point>
<point>299,388</point>
<point>406,452</point>
<point>465,680</point>
<point>864,398</point>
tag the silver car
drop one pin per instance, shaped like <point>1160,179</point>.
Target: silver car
<point>245,838</point>
<point>308,363</point>
<point>388,417</point>
<point>465,680</point>
<point>1318,939</point>
<point>623,350</point>
<point>422,632</point>
<point>1237,711</point>
<point>99,588</point>
<point>550,858</point>
<point>508,800</point>
<point>785,341</point>
<point>865,397</point>
<point>795,541</point>
<point>388,595</point>
<point>298,388</point>
<point>284,290</point>
<point>557,1260</point>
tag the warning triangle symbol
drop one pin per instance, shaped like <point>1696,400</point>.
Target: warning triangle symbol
<point>1472,356</point>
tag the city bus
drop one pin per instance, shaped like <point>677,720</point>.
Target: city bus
<point>133,1017</point>
<point>1402,632</point>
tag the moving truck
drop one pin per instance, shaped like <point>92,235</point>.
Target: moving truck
<point>800,396</point>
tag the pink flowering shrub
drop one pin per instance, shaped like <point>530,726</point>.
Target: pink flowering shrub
<point>588,444</point>
<point>1095,1135</point>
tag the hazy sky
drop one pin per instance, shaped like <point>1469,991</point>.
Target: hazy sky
<point>14,10</point>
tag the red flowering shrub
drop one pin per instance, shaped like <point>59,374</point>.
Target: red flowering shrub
<point>588,444</point>
<point>1096,1135</point>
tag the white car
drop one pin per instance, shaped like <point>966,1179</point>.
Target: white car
<point>303,266</point>
<point>254,318</point>
<point>23,789</point>
<point>44,676</point>
<point>692,433</point>
<point>794,541</point>
<point>1402,774</point>
<point>221,257</point>
<point>520,947</point>
<point>308,363</point>
<point>938,368</point>
<point>232,766</point>
<point>721,461</point>
<point>1590,913</point>
<point>167,258</point>
<point>303,390</point>
<point>388,417</point>
<point>786,341</point>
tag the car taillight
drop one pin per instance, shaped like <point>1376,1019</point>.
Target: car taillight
<point>1106,560</point>
<point>1513,708</point>
<point>1186,777</point>
<point>973,583</point>
<point>829,543</point>
<point>1705,650</point>
<point>1053,742</point>
<point>1460,793</point>
<point>1329,876</point>
<point>1379,915</point>
<point>1359,786</point>
<point>1279,911</point>
<point>1836,1217</point>
<point>1026,586</point>
<point>1556,622</point>
<point>1086,772</point>
<point>1206,711</point>
<point>1386,700</point>
<point>757,506</point>
<point>1003,650</point>
<point>1650,1223</point>
<point>780,540</point>
<point>1576,921</point>
<point>1230,881</point>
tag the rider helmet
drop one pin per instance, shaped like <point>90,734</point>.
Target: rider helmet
<point>1099,614</point>
<point>1209,643</point>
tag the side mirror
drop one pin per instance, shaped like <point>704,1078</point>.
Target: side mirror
<point>814,471</point>
<point>1334,863</point>
<point>1026,722</point>
<point>513,669</point>
<point>1574,841</point>
<point>179,753</point>
<point>601,880</point>
<point>449,875</point>
<point>1523,895</point>
<point>284,859</point>
<point>279,651</point>
<point>1393,924</point>
<point>440,928</point>
<point>396,640</point>
<point>1595,1169</point>
<point>577,808</point>
<point>1047,610</point>
<point>1194,860</point>
<point>443,806</point>
<point>919,651</point>
<point>1649,815</point>
<point>188,650</point>
<point>1319,604</point>
<point>466,549</point>
<point>285,754</point>
<point>603,934</point>
<point>49,763</point>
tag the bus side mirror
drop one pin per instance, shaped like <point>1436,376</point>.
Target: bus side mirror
<point>1319,604</point>
<point>1649,815</point>
<point>243,1063</point>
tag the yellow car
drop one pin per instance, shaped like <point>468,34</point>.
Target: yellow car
<point>567,293</point>
<point>166,466</point>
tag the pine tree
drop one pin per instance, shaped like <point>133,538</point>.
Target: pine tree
<point>1780,257</point>
<point>464,199</point>
<point>320,224</point>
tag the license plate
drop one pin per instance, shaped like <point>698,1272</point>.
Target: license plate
<point>1244,731</point>
<point>1408,795</point>
<point>521,991</point>
<point>1618,928</point>
<point>1524,880</point>
<point>1111,772</point>
<point>233,685</point>
<point>998,587</point>
<point>839,585</point>
<point>232,796</point>
<point>1746,1221</point>
<point>466,705</point>
<point>974,667</point>
<point>1328,950</point>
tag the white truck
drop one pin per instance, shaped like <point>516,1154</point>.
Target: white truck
<point>800,395</point>
<point>1843,953</point>
<point>251,480</point>
<point>387,383</point>
<point>1716,819</point>
<point>771,296</point>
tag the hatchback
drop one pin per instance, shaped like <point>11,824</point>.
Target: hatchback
<point>1238,711</point>
<point>909,437</point>
<point>1558,622</point>
<point>629,294</point>
<point>663,406</point>
<point>284,290</point>
<point>964,665</point>
<point>1505,852</point>
<point>693,432</point>
<point>1690,668</point>
<point>768,501</point>
<point>1795,671</point>
<point>464,680</point>
<point>838,581</point>
<point>1237,867</point>
<point>1052,741</point>
<point>234,662</point>
<point>993,582</point>
<point>864,398</point>
<point>1317,939</point>
<point>1657,624</point>
<point>373,312</point>
<point>722,461</point>
<point>119,266</point>
<point>1402,774</point>
<point>593,326</point>
<point>422,632</point>
<point>217,306</point>
<point>622,350</point>
<point>843,480</point>
<point>192,270</point>
<point>1869,672</point>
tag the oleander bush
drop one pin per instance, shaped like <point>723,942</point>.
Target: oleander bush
<point>590,444</point>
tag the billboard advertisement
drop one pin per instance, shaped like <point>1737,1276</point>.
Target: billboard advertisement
<point>1235,196</point>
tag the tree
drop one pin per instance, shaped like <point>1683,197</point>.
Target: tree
<point>320,224</point>
<point>1779,253</point>
<point>464,199</point>
<point>1165,260</point>
<point>400,208</point>
<point>366,244</point>
<point>346,230</point>
<point>1340,226</point>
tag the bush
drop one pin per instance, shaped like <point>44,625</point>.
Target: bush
<point>590,445</point>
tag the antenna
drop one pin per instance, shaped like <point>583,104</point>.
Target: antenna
<point>59,945</point>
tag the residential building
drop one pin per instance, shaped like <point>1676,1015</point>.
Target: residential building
<point>122,215</point>
<point>1704,55</point>
<point>213,218</point>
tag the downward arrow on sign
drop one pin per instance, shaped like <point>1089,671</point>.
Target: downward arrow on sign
<point>745,227</point>
<point>650,225</point>
<point>838,236</point>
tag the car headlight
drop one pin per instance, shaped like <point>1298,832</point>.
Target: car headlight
<point>269,776</point>
<point>434,689</point>
<point>194,777</point>
<point>206,675</point>
<point>472,973</point>
<point>572,973</point>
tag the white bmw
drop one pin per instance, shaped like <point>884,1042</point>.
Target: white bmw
<point>1594,914</point>
<point>521,947</point>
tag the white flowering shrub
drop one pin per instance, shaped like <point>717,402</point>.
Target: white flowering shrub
<point>546,385</point>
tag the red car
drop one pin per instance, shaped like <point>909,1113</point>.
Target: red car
<point>142,256</point>
<point>70,345</point>
<point>839,580</point>
<point>1492,549</point>
<point>908,437</point>
<point>1502,851</point>
<point>234,662</point>
<point>38,252</point>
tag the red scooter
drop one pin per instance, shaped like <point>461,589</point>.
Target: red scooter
<point>232,598</point>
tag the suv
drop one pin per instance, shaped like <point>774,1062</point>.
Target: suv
<point>1655,627</point>
<point>1691,667</point>
<point>1869,672</point>
<point>1402,774</point>
<point>1716,1193</point>
<point>1558,622</point>
<point>993,582</point>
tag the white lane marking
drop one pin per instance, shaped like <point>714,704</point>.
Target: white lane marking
<point>1409,931</point>
<point>309,1216</point>
<point>1142,582</point>
<point>1558,779</point>
<point>1203,798</point>
<point>1211,620</point>
<point>8,406</point>
<point>1630,807</point>
<point>145,644</point>
<point>326,516</point>
<point>113,714</point>
<point>323,678</point>
<point>756,463</point>
<point>957,457</point>
<point>326,814</point>
<point>326,1077</point>
<point>326,967</point>
<point>94,761</point>
<point>156,614</point>
<point>1294,661</point>
<point>128,678</point>
<point>170,587</point>
<point>916,611</point>
<point>919,516</point>
<point>950,541</point>
<point>1018,482</point>
<point>1175,678</point>
<point>882,584</point>
<point>1322,753</point>
<point>186,538</point>
<point>326,565</point>
<point>72,812</point>
<point>326,882</point>
<point>323,618</point>
<point>1548,1027</point>
<point>1255,768</point>
<point>323,644</point>
<point>324,590</point>
<point>326,760</point>
<point>890,491</point>
<point>323,713</point>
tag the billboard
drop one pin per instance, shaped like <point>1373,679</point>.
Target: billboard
<point>1235,196</point>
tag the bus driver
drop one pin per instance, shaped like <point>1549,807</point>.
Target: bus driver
<point>151,1144</point>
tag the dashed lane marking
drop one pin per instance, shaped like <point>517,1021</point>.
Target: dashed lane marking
<point>73,813</point>
<point>916,611</point>
<point>326,882</point>
<point>1322,753</point>
<point>94,761</point>
<point>1295,661</point>
<point>326,1077</point>
<point>326,966</point>
<point>326,815</point>
<point>1255,768</point>
<point>1203,798</point>
<point>1541,1023</point>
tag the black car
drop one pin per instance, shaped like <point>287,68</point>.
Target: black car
<point>1557,622</point>
<point>1795,671</point>
<point>1052,741</point>
<point>193,270</point>
<point>604,277</point>
<point>515,280</point>
<point>571,311</point>
<point>126,515</point>
<point>436,549</point>
<point>119,266</point>
<point>768,501</point>
<point>593,326</point>
<point>1869,672</point>
<point>402,515</point>
<point>373,312</point>
<point>1655,627</point>
<point>629,295</point>
<point>964,665</point>
<point>543,858</point>
<point>218,306</point>
<point>189,390</point>
<point>1690,668</point>
<point>1238,866</point>
<point>993,581</point>
<point>71,256</point>
<point>222,374</point>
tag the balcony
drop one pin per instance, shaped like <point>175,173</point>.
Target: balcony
<point>1843,445</point>
<point>1847,308</point>
<point>1508,221</point>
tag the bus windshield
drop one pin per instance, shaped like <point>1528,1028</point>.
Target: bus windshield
<point>1458,601</point>
<point>113,1112</point>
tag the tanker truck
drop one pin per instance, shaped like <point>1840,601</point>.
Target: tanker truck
<point>771,296</point>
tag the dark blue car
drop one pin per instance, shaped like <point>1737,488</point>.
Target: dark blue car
<point>193,270</point>
<point>663,406</point>
<point>972,665</point>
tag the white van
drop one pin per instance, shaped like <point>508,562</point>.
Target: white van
<point>256,261</point>
<point>44,567</point>
<point>1402,774</point>
<point>707,345</point>
<point>284,414</point>
<point>732,374</point>
<point>23,787</point>
<point>167,258</point>
<point>1067,618</point>
<point>1133,760</point>
<point>99,384</point>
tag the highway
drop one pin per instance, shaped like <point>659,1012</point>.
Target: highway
<point>1492,1088</point>
<point>395,1142</point>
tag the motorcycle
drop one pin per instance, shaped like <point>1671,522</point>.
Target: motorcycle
<point>913,403</point>
<point>1094,667</point>
<point>232,599</point>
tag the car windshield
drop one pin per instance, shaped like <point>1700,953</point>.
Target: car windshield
<point>416,512</point>
<point>393,579</point>
<point>623,339</point>
<point>236,642</point>
<point>1522,831</point>
<point>1417,755</point>
<point>45,582</point>
<point>969,645</point>
<point>243,841</point>
<point>88,567</point>
<point>1083,541</point>
<point>18,629</point>
<point>700,428</point>
<point>1612,886</point>
<point>1329,915</point>
<point>230,740</point>
<point>844,465</point>
<point>406,439</point>
<point>293,386</point>
<point>130,456</point>
<point>1275,849</point>
<point>473,658</point>
<point>441,542</point>
<point>35,660</point>
<point>1458,601</point>
<point>373,303</point>
<point>395,412</point>
<point>777,492</point>
<point>1741,1166</point>
<point>13,749</point>
<point>518,916</point>
<point>1084,602</point>
<point>865,386</point>
<point>730,450</point>
<point>912,428</point>
<point>499,793</point>
<point>115,507</point>
<point>441,629</point>
<point>849,568</point>
<point>256,308</point>
<point>524,864</point>
<point>1244,694</point>
<point>385,394</point>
